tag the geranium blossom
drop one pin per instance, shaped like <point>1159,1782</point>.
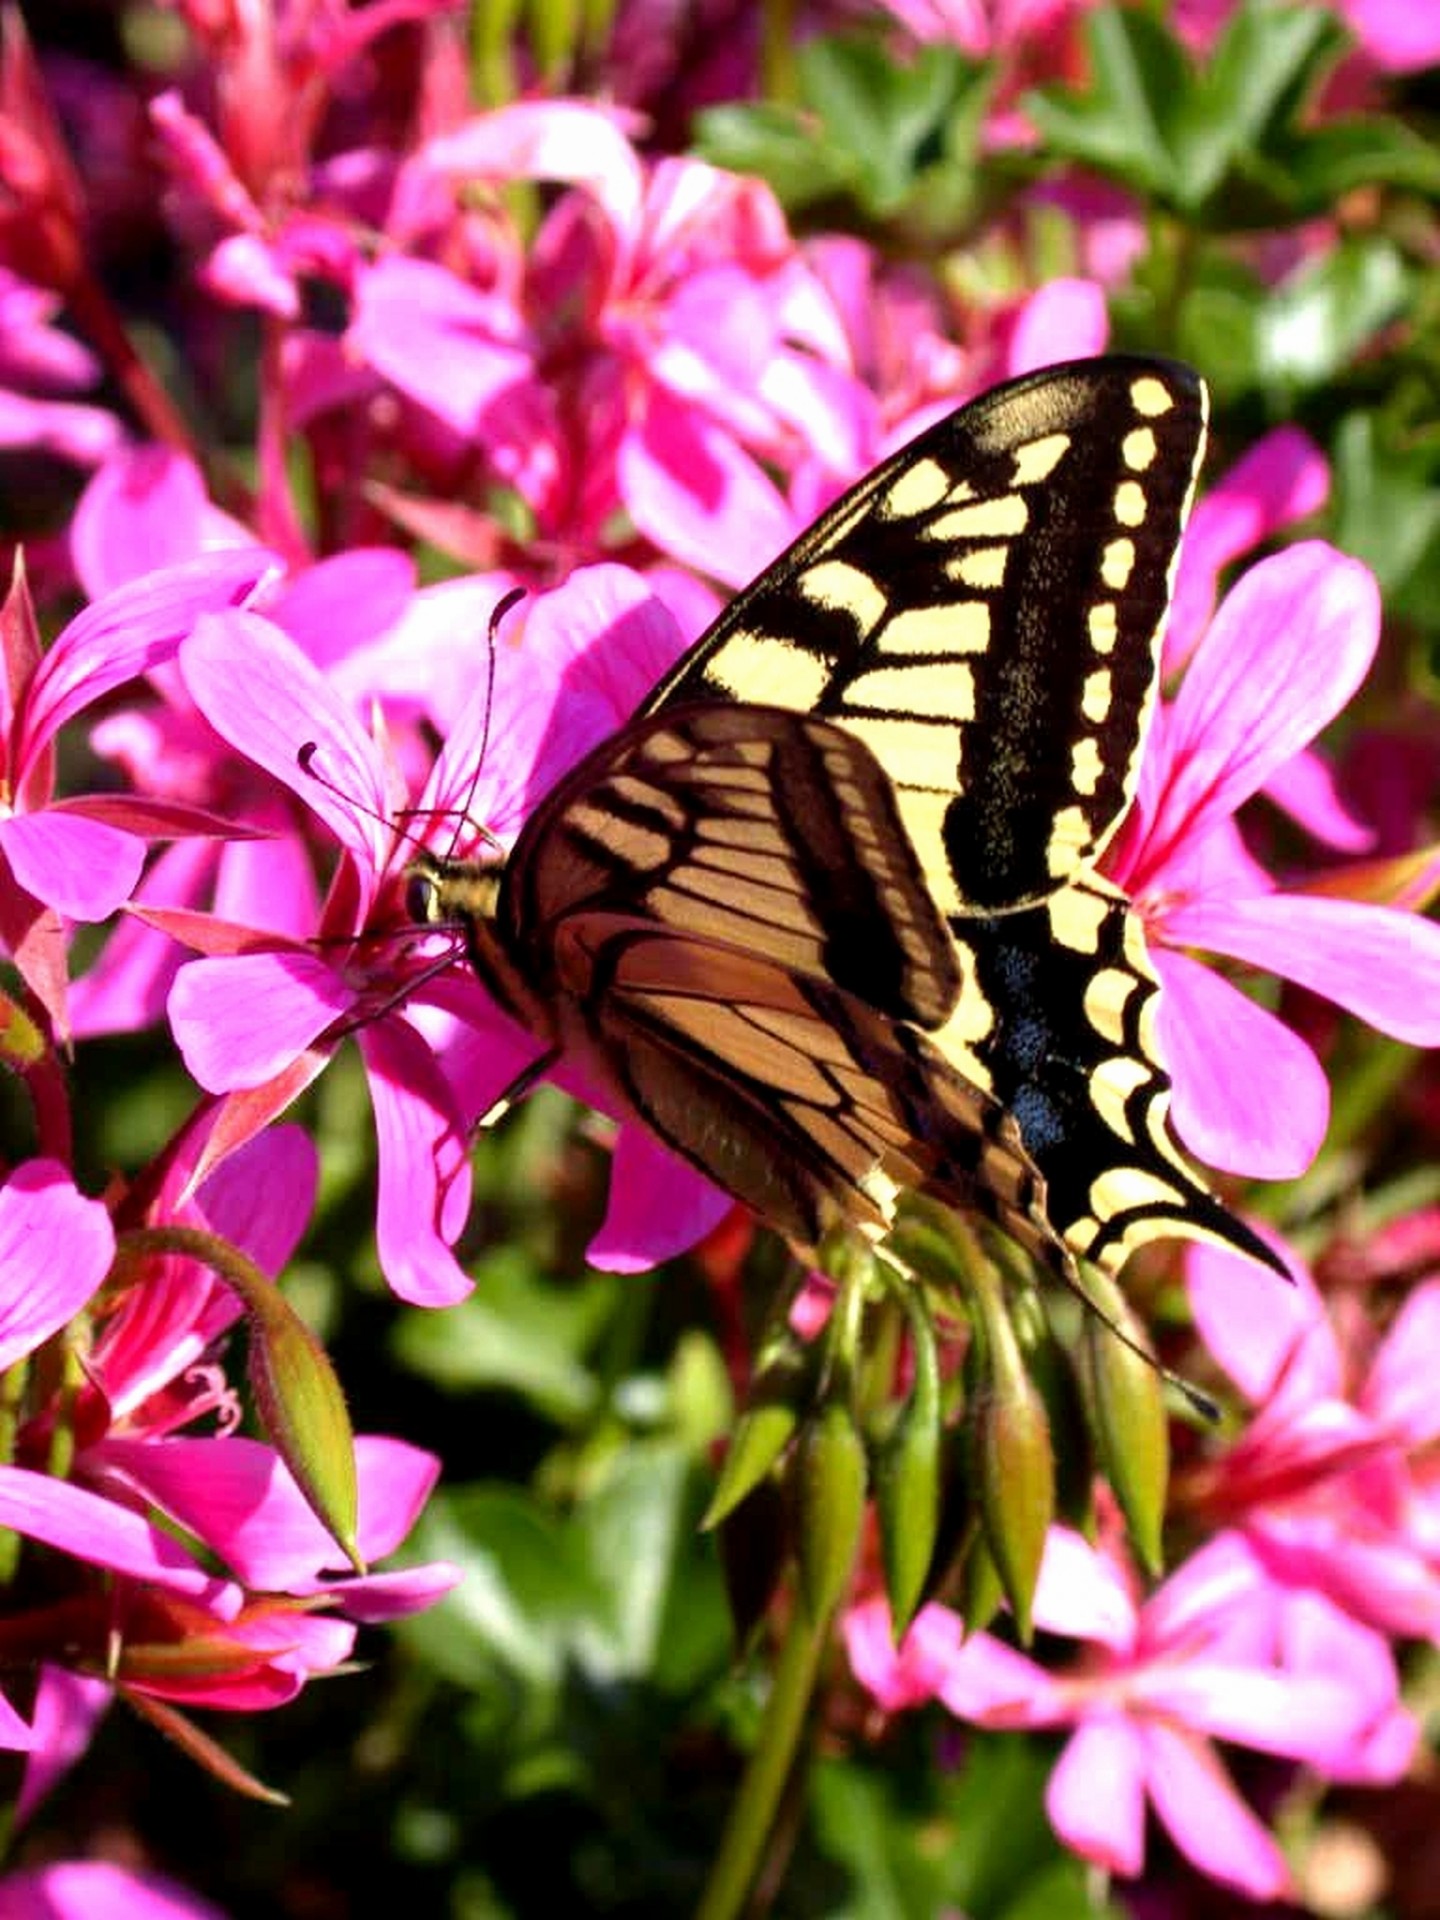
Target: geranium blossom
<point>1286,650</point>
<point>1330,1481</point>
<point>257,1019</point>
<point>1218,1651</point>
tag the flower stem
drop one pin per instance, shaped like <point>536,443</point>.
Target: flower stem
<point>777,1743</point>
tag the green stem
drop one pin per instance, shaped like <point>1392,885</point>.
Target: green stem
<point>777,1744</point>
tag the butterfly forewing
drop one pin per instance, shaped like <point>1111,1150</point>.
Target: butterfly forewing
<point>984,613</point>
<point>769,831</point>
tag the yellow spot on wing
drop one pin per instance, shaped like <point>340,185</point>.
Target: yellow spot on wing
<point>1039,459</point>
<point>916,489</point>
<point>922,813</point>
<point>1138,449</point>
<point>1117,563</point>
<point>1151,396</point>
<point>1086,766</point>
<point>919,752</point>
<point>1130,503</point>
<point>1077,917</point>
<point>846,589</point>
<point>984,568</point>
<point>759,668</point>
<point>1107,994</point>
<point>1103,626</point>
<point>998,519</point>
<point>1096,695</point>
<point>944,690</point>
<point>961,627</point>
<point>1110,1086</point>
<point>1070,838</point>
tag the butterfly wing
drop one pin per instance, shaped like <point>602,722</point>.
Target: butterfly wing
<point>795,1097</point>
<point>771,832</point>
<point>984,613</point>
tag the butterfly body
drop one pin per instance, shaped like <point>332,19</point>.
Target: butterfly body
<point>824,916</point>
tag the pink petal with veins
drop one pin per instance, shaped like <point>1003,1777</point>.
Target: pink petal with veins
<point>55,1249</point>
<point>241,1019</point>
<point>81,868</point>
<point>1249,1096</point>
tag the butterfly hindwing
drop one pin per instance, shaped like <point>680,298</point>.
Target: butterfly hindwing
<point>983,612</point>
<point>795,1096</point>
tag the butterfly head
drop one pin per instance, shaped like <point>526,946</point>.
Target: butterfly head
<point>446,892</point>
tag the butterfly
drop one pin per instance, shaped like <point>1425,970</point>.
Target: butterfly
<point>825,915</point>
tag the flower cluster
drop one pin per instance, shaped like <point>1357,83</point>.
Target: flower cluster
<point>538,347</point>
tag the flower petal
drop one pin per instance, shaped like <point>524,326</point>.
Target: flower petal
<point>1291,642</point>
<point>424,1191</point>
<point>82,868</point>
<point>1206,1818</point>
<point>658,1207</point>
<point>262,694</point>
<point>1096,1796</point>
<point>73,1520</point>
<point>126,633</point>
<point>1249,1095</point>
<point>240,1019</point>
<point>68,1707</point>
<point>1380,963</point>
<point>55,1249</point>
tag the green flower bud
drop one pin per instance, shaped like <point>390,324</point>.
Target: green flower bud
<point>1125,1405</point>
<point>830,1507</point>
<point>907,1480</point>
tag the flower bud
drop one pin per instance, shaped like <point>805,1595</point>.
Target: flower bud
<point>1011,1464</point>
<point>907,1480</point>
<point>1125,1405</point>
<point>830,1506</point>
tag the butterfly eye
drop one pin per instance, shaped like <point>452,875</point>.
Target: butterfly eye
<point>422,899</point>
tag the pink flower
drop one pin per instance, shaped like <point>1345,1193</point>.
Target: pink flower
<point>1330,1482</point>
<point>1289,645</point>
<point>1217,1652</point>
<point>257,1020</point>
<point>98,1890</point>
<point>81,856</point>
<point>37,360</point>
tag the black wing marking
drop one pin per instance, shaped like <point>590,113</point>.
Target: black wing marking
<point>984,612</point>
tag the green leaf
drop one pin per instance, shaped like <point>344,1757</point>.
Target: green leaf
<point>517,1332</point>
<point>779,145</point>
<point>884,113</point>
<point>1116,122</point>
<point>1311,328</point>
<point>1327,161</point>
<point>1387,501</point>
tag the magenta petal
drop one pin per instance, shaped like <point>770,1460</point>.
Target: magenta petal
<point>68,1707</point>
<point>1305,789</point>
<point>343,603</point>
<point>240,1019</point>
<point>1281,478</point>
<point>81,868</point>
<point>1206,1818</point>
<point>1399,1389</point>
<point>424,1190</point>
<point>699,496</point>
<point>374,1598</point>
<point>659,1206</point>
<point>1096,1796</point>
<point>396,1480</point>
<point>1380,963</point>
<point>129,632</point>
<point>1254,1329</point>
<point>1065,319</point>
<point>283,1164</point>
<point>144,509</point>
<point>1081,1592</point>
<point>98,1890</point>
<point>75,1521</point>
<point>55,1249</point>
<point>261,693</point>
<point>1249,1095</point>
<point>1291,642</point>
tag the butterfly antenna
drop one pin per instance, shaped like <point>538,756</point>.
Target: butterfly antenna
<point>492,632</point>
<point>305,757</point>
